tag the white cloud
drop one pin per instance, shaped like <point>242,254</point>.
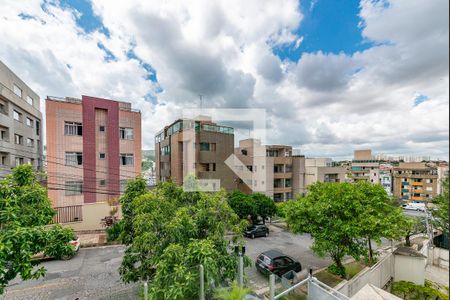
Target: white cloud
<point>325,104</point>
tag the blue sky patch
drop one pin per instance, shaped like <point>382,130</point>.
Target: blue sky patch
<point>420,99</point>
<point>109,56</point>
<point>87,20</point>
<point>151,73</point>
<point>328,25</point>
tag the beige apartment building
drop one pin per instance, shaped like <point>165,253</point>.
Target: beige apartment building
<point>197,147</point>
<point>20,123</point>
<point>322,170</point>
<point>274,170</point>
<point>93,149</point>
<point>415,182</point>
<point>365,166</point>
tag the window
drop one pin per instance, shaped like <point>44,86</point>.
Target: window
<point>19,161</point>
<point>126,159</point>
<point>287,182</point>
<point>29,122</point>
<point>74,158</point>
<point>244,152</point>
<point>126,133</point>
<point>30,100</point>
<point>288,168</point>
<point>17,116</point>
<point>3,108</point>
<point>3,160</point>
<point>429,188</point>
<point>38,128</point>
<point>17,91</point>
<point>18,139</point>
<point>30,142</point>
<point>101,128</point>
<point>4,134</point>
<point>102,182</point>
<point>207,146</point>
<point>165,150</point>
<point>429,180</point>
<point>102,155</point>
<point>73,128</point>
<point>73,188</point>
<point>208,167</point>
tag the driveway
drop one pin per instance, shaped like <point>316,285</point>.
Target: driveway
<point>91,274</point>
<point>295,245</point>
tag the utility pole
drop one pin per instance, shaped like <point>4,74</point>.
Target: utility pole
<point>202,283</point>
<point>240,252</point>
<point>201,101</point>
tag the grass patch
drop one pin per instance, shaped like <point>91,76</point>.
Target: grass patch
<point>353,268</point>
<point>328,278</point>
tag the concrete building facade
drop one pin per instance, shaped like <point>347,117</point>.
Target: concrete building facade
<point>322,170</point>
<point>283,174</point>
<point>415,182</point>
<point>20,123</point>
<point>365,167</point>
<point>93,149</point>
<point>197,147</point>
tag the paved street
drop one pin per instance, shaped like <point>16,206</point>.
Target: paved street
<point>91,274</point>
<point>294,245</point>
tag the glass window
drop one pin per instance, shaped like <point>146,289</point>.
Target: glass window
<point>126,133</point>
<point>73,188</point>
<point>17,91</point>
<point>18,139</point>
<point>74,158</point>
<point>102,155</point>
<point>102,182</point>
<point>30,142</point>
<point>30,100</point>
<point>101,128</point>
<point>29,122</point>
<point>17,115</point>
<point>19,161</point>
<point>73,128</point>
<point>126,159</point>
<point>287,182</point>
<point>38,128</point>
<point>165,150</point>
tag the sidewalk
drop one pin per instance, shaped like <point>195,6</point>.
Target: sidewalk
<point>437,275</point>
<point>92,239</point>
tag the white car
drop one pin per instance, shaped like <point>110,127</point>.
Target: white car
<point>414,206</point>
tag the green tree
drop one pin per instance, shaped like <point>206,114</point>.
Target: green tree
<point>235,293</point>
<point>264,206</point>
<point>134,189</point>
<point>440,215</point>
<point>378,217</point>
<point>414,225</point>
<point>176,231</point>
<point>25,210</point>
<point>242,204</point>
<point>329,213</point>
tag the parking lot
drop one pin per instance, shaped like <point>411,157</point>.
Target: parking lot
<point>294,245</point>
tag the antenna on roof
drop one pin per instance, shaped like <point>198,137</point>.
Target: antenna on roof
<point>201,100</point>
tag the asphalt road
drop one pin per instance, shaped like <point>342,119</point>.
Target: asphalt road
<point>295,245</point>
<point>91,274</point>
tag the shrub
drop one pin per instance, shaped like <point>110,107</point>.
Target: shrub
<point>113,232</point>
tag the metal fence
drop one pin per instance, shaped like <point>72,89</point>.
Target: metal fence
<point>68,214</point>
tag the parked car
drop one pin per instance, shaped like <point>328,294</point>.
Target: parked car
<point>414,206</point>
<point>75,243</point>
<point>274,261</point>
<point>253,231</point>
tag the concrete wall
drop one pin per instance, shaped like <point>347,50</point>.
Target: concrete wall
<point>438,257</point>
<point>92,215</point>
<point>410,268</point>
<point>378,275</point>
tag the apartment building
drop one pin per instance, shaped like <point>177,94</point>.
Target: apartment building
<point>197,147</point>
<point>275,171</point>
<point>20,123</point>
<point>365,167</point>
<point>386,177</point>
<point>93,149</point>
<point>323,170</point>
<point>415,182</point>
<point>442,170</point>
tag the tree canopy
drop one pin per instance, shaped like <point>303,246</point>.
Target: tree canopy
<point>253,206</point>
<point>173,233</point>
<point>343,219</point>
<point>25,210</point>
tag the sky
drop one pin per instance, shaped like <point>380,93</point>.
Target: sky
<point>332,75</point>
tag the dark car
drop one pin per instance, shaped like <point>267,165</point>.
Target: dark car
<point>275,262</point>
<point>256,230</point>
